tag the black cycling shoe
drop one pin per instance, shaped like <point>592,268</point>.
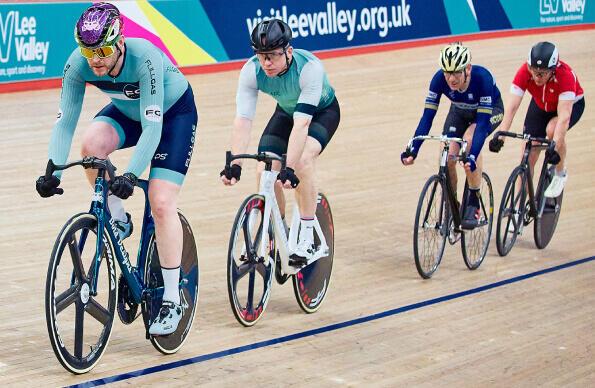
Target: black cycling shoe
<point>471,218</point>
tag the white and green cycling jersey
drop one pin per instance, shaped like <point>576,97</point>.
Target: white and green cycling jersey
<point>301,91</point>
<point>147,85</point>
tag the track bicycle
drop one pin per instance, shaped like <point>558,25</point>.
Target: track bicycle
<point>82,294</point>
<point>261,247</point>
<point>516,210</point>
<point>438,215</point>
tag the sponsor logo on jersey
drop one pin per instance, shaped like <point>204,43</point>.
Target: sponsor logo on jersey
<point>485,100</point>
<point>470,96</point>
<point>160,156</point>
<point>131,91</point>
<point>432,95</point>
<point>59,115</point>
<point>152,75</point>
<point>153,113</point>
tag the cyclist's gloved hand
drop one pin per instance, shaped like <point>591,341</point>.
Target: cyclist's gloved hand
<point>123,185</point>
<point>407,153</point>
<point>233,171</point>
<point>553,157</point>
<point>496,144</point>
<point>46,187</point>
<point>471,161</point>
<point>288,174</point>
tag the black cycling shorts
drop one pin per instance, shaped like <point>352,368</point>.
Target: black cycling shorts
<point>537,120</point>
<point>322,128</point>
<point>458,120</point>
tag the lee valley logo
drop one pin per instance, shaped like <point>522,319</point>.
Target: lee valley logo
<point>561,10</point>
<point>18,41</point>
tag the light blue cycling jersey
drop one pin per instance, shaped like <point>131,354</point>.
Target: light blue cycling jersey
<point>301,91</point>
<point>146,87</point>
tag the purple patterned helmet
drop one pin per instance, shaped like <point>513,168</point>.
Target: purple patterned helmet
<point>100,25</point>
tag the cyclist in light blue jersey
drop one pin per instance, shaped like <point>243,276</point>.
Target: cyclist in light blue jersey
<point>476,110</point>
<point>152,107</point>
<point>306,117</point>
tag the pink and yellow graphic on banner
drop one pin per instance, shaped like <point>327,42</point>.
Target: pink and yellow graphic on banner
<point>142,20</point>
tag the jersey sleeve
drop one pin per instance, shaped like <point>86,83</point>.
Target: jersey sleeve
<point>151,72</point>
<point>247,93</point>
<point>567,81</point>
<point>520,81</point>
<point>311,80</point>
<point>71,103</point>
<point>430,108</point>
<point>484,113</point>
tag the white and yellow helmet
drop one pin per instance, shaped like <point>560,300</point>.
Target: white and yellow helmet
<point>454,57</point>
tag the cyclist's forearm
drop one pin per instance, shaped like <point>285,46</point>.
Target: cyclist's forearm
<point>512,107</point>
<point>564,112</point>
<point>240,136</point>
<point>297,141</point>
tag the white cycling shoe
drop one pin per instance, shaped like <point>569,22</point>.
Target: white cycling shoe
<point>167,320</point>
<point>556,186</point>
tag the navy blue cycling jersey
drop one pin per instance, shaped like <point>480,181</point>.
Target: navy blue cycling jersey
<point>479,96</point>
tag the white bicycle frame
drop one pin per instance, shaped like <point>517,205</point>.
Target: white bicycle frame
<point>285,244</point>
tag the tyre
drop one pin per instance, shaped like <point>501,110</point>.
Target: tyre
<point>189,286</point>
<point>431,227</point>
<point>548,212</point>
<point>511,214</point>
<point>79,319</point>
<point>250,272</point>
<point>475,242</point>
<point>310,284</point>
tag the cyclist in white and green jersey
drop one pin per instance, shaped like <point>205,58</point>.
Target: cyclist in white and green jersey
<point>306,117</point>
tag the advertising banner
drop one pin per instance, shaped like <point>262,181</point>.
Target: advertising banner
<point>37,38</point>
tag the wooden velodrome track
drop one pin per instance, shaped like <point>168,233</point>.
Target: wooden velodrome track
<point>538,330</point>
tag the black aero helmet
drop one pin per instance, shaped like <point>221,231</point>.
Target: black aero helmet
<point>544,55</point>
<point>270,34</point>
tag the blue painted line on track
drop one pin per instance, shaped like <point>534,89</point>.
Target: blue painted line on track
<point>335,326</point>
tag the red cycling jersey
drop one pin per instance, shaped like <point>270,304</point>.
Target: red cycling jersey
<point>563,85</point>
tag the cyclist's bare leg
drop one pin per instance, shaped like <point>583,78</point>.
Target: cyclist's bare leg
<point>99,140</point>
<point>560,138</point>
<point>452,166</point>
<point>473,177</point>
<point>168,229</point>
<point>307,192</point>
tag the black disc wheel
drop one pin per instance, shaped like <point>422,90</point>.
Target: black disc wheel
<point>548,212</point>
<point>189,286</point>
<point>310,284</point>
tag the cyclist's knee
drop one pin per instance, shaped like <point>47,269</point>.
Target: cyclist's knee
<point>162,204</point>
<point>99,140</point>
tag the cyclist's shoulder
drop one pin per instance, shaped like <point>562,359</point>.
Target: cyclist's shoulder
<point>76,65</point>
<point>482,71</point>
<point>139,50</point>
<point>303,57</point>
<point>564,69</point>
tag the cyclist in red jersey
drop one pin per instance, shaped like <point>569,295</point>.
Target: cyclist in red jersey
<point>556,106</point>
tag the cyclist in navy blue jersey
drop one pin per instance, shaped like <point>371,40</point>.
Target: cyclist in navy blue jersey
<point>476,110</point>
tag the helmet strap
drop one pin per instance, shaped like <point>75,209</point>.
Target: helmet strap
<point>286,62</point>
<point>115,63</point>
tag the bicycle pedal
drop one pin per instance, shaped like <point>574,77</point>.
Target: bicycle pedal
<point>297,261</point>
